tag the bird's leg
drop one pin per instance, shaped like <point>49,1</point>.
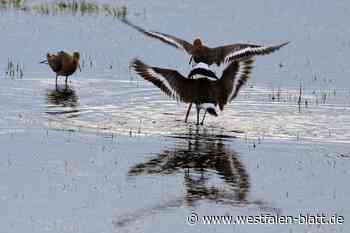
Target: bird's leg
<point>205,112</point>
<point>198,110</point>
<point>56,80</point>
<point>190,106</point>
<point>188,112</point>
<point>66,80</point>
<point>190,60</point>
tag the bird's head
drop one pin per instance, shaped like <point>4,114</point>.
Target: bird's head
<point>197,43</point>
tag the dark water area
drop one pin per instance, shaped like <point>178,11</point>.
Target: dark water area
<point>110,153</point>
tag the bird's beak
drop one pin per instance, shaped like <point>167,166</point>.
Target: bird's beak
<point>45,62</point>
<point>79,67</point>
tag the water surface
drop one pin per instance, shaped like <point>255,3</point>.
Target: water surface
<point>110,153</point>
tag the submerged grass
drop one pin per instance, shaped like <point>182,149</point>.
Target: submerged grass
<point>13,4</point>
<point>72,7</point>
<point>14,69</point>
<point>304,98</point>
<point>80,7</point>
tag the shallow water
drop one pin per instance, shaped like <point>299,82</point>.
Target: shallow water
<point>110,153</point>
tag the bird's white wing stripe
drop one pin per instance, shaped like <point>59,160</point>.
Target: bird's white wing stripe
<point>201,65</point>
<point>168,39</point>
<point>158,76</point>
<point>241,52</point>
<point>242,67</point>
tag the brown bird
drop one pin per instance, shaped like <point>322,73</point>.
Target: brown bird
<point>201,53</point>
<point>63,64</point>
<point>210,95</point>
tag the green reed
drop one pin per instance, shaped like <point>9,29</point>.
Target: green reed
<point>72,7</point>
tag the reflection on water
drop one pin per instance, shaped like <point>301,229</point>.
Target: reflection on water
<point>213,172</point>
<point>201,160</point>
<point>62,100</point>
<point>63,96</point>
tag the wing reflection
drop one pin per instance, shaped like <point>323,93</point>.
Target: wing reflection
<point>213,172</point>
<point>202,162</point>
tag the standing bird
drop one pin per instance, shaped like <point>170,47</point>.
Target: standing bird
<point>210,95</point>
<point>200,53</point>
<point>63,64</point>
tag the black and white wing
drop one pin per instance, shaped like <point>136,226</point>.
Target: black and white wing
<point>242,73</point>
<point>168,39</point>
<point>246,51</point>
<point>171,82</point>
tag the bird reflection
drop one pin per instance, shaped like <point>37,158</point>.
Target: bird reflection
<point>231,171</point>
<point>212,171</point>
<point>62,96</point>
<point>202,161</point>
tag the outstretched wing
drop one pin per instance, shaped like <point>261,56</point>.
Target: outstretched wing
<point>220,53</point>
<point>240,72</point>
<point>237,52</point>
<point>171,82</point>
<point>168,39</point>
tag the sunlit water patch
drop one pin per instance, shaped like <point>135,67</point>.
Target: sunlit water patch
<point>137,108</point>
